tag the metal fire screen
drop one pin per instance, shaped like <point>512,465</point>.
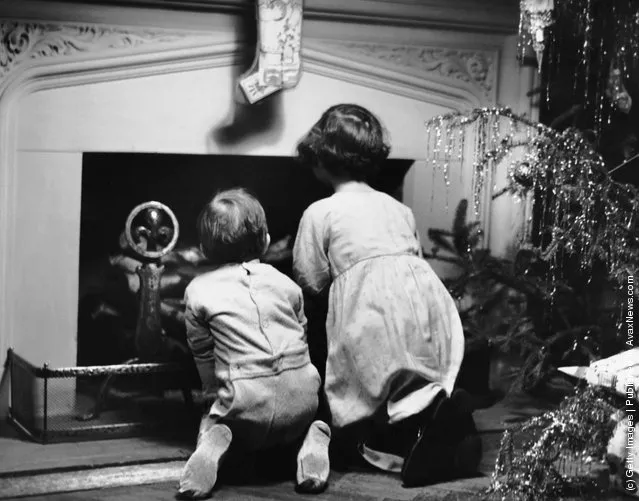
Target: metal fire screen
<point>50,404</point>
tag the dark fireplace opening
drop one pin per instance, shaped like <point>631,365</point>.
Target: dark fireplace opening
<point>114,183</point>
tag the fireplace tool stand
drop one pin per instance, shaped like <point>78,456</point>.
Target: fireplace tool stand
<point>151,232</point>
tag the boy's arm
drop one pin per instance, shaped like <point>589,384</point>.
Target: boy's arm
<point>201,343</point>
<point>299,311</point>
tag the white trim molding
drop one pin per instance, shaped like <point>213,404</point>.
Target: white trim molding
<point>24,43</point>
<point>474,71</point>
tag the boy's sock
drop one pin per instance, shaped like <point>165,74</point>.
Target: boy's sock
<point>200,473</point>
<point>313,465</point>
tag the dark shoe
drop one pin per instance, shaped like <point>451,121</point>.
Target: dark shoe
<point>447,445</point>
<point>345,457</point>
<point>469,450</point>
<point>467,456</point>
<point>422,463</point>
<point>463,401</point>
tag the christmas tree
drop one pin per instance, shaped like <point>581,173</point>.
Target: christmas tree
<point>557,300</point>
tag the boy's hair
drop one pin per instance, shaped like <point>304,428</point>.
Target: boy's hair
<point>348,141</point>
<point>232,227</point>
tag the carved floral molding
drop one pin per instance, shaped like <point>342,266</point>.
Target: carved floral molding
<point>23,42</point>
<point>477,68</point>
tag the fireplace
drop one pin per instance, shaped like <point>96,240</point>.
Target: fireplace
<point>123,85</point>
<point>52,403</point>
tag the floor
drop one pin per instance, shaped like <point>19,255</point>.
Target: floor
<point>134,468</point>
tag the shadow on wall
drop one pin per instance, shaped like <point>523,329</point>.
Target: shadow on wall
<point>247,121</point>
<point>4,395</point>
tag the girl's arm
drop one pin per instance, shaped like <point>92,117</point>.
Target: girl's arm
<point>413,226</point>
<point>311,266</point>
<point>420,249</point>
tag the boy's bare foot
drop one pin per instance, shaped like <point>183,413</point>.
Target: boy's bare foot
<point>313,465</point>
<point>200,473</point>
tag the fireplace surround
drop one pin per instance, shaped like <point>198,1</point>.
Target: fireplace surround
<point>77,79</point>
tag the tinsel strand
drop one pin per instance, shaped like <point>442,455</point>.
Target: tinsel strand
<point>547,455</point>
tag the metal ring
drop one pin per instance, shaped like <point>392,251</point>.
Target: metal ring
<point>135,246</point>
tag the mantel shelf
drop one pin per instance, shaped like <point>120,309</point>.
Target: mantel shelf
<point>487,16</point>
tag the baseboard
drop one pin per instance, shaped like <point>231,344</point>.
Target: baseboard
<point>98,478</point>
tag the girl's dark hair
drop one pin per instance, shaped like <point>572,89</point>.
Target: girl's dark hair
<point>232,227</point>
<point>348,141</point>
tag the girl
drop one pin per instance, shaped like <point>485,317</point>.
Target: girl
<point>395,339</point>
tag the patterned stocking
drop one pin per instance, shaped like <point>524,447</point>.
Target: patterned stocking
<point>277,62</point>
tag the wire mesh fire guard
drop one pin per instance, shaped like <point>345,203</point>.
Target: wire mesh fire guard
<point>51,404</point>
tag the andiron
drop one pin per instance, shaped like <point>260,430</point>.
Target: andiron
<point>151,232</point>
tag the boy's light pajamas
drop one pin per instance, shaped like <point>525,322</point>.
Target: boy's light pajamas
<point>247,331</point>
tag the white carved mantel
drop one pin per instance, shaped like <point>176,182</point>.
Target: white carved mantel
<point>75,78</point>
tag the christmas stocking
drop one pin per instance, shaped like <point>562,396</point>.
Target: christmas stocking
<point>277,62</point>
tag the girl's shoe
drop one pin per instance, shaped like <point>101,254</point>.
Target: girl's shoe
<point>447,445</point>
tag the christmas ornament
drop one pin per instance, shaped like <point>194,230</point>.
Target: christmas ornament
<point>277,64</point>
<point>535,17</point>
<point>520,175</point>
<point>616,91</point>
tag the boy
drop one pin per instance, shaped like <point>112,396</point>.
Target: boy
<point>247,331</point>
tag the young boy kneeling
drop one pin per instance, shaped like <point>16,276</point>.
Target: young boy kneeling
<point>247,331</point>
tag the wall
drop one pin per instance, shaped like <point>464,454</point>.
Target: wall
<point>73,88</point>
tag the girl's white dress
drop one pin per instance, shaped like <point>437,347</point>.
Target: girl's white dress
<point>394,333</point>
